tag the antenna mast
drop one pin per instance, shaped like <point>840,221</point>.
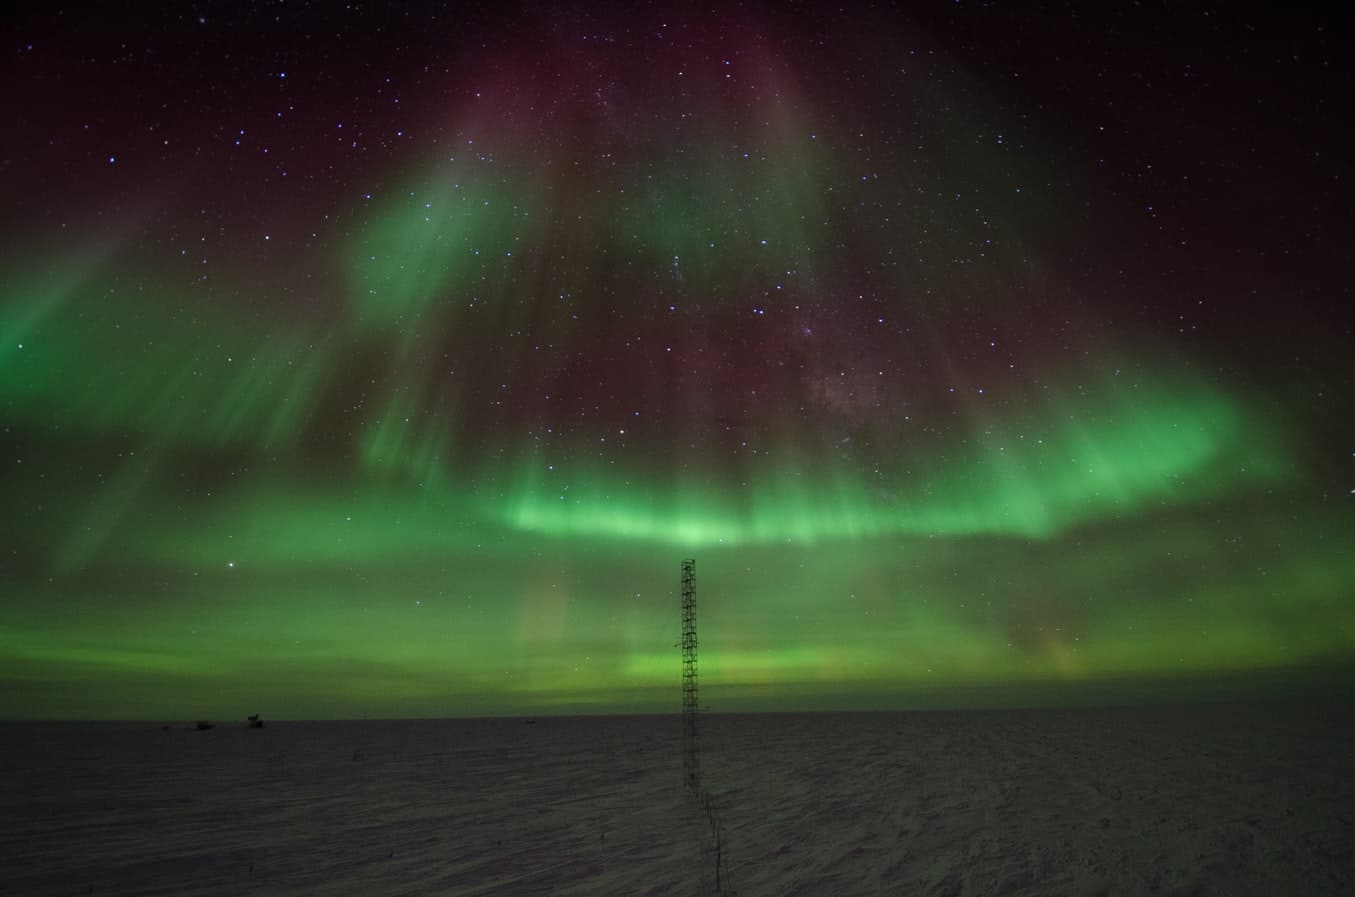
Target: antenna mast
<point>691,757</point>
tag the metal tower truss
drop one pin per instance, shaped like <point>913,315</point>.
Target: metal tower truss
<point>691,756</point>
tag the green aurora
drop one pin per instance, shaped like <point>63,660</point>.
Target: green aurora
<point>445,458</point>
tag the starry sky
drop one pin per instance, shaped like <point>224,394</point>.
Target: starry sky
<point>363,362</point>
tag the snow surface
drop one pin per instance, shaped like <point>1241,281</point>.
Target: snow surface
<point>1208,800</point>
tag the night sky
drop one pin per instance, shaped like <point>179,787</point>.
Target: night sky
<point>356,362</point>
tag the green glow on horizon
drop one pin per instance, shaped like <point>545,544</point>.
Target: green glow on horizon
<point>453,578</point>
<point>551,640</point>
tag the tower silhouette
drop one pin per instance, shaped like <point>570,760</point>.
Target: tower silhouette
<point>691,754</point>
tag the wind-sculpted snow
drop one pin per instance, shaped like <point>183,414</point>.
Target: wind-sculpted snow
<point>1208,800</point>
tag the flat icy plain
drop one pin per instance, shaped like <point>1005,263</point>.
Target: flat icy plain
<point>1196,800</point>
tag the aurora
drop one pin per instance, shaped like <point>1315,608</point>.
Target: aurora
<point>399,385</point>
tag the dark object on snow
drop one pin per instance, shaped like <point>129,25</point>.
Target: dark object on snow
<point>255,722</point>
<point>203,725</point>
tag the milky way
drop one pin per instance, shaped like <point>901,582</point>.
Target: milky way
<point>363,363</point>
